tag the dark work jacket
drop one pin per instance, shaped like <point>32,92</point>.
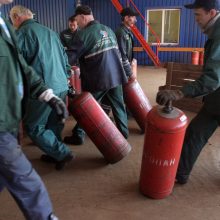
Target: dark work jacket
<point>100,61</point>
<point>67,37</point>
<point>125,42</point>
<point>208,85</point>
<point>16,77</point>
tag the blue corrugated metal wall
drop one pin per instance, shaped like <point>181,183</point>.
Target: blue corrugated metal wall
<point>190,34</point>
<point>52,13</point>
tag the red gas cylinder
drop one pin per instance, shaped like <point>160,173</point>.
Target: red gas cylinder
<point>165,130</point>
<point>75,80</point>
<point>195,57</point>
<point>136,102</point>
<point>99,127</point>
<point>201,58</point>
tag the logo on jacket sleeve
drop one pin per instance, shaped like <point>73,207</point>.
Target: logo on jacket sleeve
<point>104,33</point>
<point>127,37</point>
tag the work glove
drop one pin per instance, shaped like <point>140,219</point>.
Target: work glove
<point>55,103</point>
<point>59,106</point>
<point>131,78</point>
<point>164,96</point>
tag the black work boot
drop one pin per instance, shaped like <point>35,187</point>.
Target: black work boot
<point>181,179</point>
<point>48,159</point>
<point>75,140</point>
<point>60,164</point>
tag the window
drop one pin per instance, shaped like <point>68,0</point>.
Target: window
<point>166,24</point>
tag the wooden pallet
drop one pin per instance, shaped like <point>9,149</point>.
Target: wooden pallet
<point>179,74</point>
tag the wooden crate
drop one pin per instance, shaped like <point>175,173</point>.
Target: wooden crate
<point>179,74</point>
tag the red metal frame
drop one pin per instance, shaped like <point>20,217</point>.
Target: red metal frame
<point>154,57</point>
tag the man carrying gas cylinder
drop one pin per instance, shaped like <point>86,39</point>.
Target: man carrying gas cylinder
<point>201,128</point>
<point>101,68</point>
<point>42,50</point>
<point>125,39</point>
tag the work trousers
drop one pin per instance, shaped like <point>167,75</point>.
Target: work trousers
<point>198,132</point>
<point>22,181</point>
<point>44,128</point>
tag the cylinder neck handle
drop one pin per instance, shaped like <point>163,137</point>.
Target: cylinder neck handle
<point>168,108</point>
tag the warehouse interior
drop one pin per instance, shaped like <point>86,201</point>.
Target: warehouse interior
<point>89,188</point>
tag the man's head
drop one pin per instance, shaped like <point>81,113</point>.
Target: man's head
<point>204,11</point>
<point>205,4</point>
<point>128,16</point>
<point>83,15</point>
<point>72,23</point>
<point>19,14</point>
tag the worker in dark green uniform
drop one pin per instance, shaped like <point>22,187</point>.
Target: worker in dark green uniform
<point>67,36</point>
<point>102,72</point>
<point>125,41</point>
<point>208,85</point>
<point>125,38</point>
<point>42,49</point>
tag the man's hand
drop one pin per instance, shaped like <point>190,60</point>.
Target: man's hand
<point>134,69</point>
<point>131,77</point>
<point>59,106</point>
<point>164,96</point>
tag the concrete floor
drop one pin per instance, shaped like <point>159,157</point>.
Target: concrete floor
<point>88,188</point>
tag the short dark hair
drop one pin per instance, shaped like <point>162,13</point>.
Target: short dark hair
<point>83,10</point>
<point>72,18</point>
<point>128,12</point>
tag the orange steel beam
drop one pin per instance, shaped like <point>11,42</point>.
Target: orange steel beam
<point>172,49</point>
